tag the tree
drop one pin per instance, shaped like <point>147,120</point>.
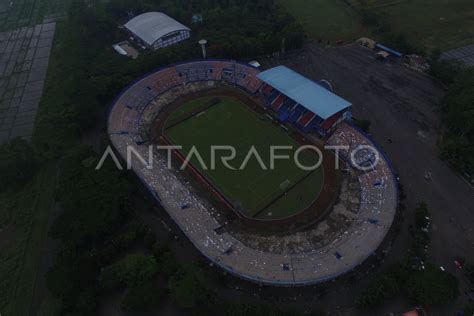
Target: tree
<point>142,297</point>
<point>442,69</point>
<point>432,286</point>
<point>458,117</point>
<point>187,287</point>
<point>469,272</point>
<point>17,163</point>
<point>383,287</point>
<point>95,202</point>
<point>239,309</point>
<point>159,248</point>
<point>167,263</point>
<point>469,310</point>
<point>73,279</point>
<point>118,244</point>
<point>388,284</point>
<point>421,216</point>
<point>132,271</point>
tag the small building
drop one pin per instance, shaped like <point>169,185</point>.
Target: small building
<point>123,48</point>
<point>157,30</point>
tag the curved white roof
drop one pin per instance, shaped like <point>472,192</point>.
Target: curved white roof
<point>151,26</point>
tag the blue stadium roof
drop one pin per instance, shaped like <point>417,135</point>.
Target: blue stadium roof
<point>308,93</point>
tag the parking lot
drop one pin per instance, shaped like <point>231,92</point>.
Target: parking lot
<point>404,108</point>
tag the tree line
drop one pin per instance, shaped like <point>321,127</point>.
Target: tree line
<point>98,228</point>
<point>412,276</point>
<point>457,142</point>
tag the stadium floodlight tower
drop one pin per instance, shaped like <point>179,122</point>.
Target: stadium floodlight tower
<point>203,43</point>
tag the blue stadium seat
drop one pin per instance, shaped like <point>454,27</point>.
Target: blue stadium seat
<point>297,112</point>
<point>283,116</point>
<point>273,95</point>
<point>284,108</point>
<point>287,106</point>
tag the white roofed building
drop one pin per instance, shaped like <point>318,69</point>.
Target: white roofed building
<point>156,30</point>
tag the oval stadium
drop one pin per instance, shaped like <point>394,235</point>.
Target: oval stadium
<point>263,219</point>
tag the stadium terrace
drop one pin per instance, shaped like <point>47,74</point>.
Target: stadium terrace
<point>228,214</point>
<point>229,160</point>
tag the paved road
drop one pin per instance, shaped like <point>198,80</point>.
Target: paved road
<point>403,106</point>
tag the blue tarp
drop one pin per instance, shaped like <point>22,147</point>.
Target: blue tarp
<point>308,93</point>
<point>389,50</point>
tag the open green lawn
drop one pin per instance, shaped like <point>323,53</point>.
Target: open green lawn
<point>434,24</point>
<point>24,217</point>
<point>326,19</point>
<point>231,123</point>
<point>430,24</point>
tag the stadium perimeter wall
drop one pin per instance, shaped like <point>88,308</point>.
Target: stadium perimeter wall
<point>307,268</point>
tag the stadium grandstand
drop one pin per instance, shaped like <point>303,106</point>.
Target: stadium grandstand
<point>156,30</point>
<point>303,102</point>
<point>367,226</point>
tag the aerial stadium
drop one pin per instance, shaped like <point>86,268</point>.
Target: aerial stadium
<point>283,226</point>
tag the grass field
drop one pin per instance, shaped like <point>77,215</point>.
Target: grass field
<point>430,24</point>
<point>259,193</point>
<point>326,19</point>
<point>433,24</point>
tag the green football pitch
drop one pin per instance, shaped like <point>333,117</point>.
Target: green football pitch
<point>256,190</point>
